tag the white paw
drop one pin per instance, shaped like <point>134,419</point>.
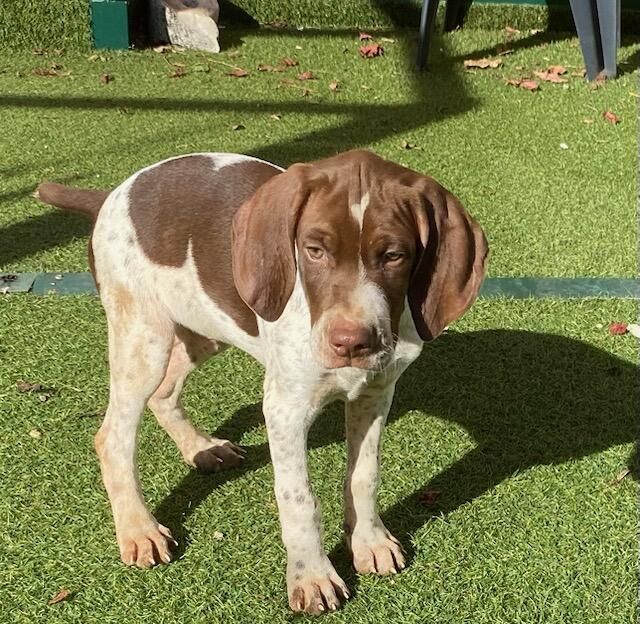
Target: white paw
<point>376,552</point>
<point>314,589</point>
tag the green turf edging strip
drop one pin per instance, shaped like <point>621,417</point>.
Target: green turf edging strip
<point>493,287</point>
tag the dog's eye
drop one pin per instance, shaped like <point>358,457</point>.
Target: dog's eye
<point>393,257</point>
<point>315,253</point>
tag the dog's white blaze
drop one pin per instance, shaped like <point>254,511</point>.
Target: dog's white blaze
<point>358,210</point>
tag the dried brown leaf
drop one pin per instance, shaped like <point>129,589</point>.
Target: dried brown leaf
<point>365,36</point>
<point>27,386</point>
<point>238,72</point>
<point>35,434</point>
<point>429,497</point>
<point>549,77</point>
<point>308,75</point>
<point>334,85</point>
<point>44,71</point>
<point>611,118</point>
<point>559,70</point>
<point>289,62</point>
<point>529,85</point>
<point>106,78</point>
<point>483,63</point>
<point>371,50</point>
<point>510,30</point>
<point>275,117</point>
<point>62,594</point>
<point>238,127</point>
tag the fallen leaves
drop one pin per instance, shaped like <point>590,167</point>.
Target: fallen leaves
<point>106,78</point>
<point>35,434</point>
<point>483,63</point>
<point>428,498</point>
<point>365,37</point>
<point>618,329</point>
<point>611,118</point>
<point>334,85</point>
<point>43,392</point>
<point>238,72</point>
<point>524,83</point>
<point>62,594</point>
<point>371,50</point>
<point>289,62</point>
<point>553,74</point>
<point>44,71</point>
<point>307,75</point>
<point>237,127</point>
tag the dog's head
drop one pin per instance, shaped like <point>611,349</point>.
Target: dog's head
<point>365,235</point>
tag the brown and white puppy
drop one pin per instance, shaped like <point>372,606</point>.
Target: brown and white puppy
<point>331,274</point>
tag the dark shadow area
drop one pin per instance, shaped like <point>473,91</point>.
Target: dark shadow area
<point>435,97</point>
<point>35,234</point>
<point>527,399</point>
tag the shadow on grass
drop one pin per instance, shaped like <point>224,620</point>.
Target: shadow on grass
<point>527,399</point>
<point>434,97</point>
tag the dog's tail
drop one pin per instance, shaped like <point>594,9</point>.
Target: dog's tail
<point>85,201</point>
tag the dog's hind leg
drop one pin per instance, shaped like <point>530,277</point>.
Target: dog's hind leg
<point>140,342</point>
<point>198,449</point>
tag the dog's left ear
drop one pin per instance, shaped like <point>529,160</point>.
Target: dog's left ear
<point>451,265</point>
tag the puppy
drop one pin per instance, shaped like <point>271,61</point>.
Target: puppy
<point>331,274</point>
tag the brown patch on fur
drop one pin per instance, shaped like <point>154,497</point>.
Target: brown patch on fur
<point>187,199</point>
<point>443,249</point>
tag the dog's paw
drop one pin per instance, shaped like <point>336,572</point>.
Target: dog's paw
<point>145,544</point>
<point>377,552</point>
<point>314,590</point>
<point>211,454</point>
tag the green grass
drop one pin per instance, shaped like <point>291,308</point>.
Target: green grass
<point>42,24</point>
<point>521,417</point>
<point>546,210</point>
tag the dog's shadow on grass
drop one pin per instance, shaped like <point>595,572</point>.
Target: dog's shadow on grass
<point>526,398</point>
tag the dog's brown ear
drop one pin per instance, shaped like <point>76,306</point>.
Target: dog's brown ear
<point>263,250</point>
<point>452,264</point>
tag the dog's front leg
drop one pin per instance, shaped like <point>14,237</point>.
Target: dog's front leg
<point>374,549</point>
<point>313,586</point>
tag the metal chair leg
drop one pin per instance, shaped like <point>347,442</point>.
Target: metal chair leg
<point>609,19</point>
<point>585,17</point>
<point>427,20</point>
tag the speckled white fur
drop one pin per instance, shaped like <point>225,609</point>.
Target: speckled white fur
<point>149,363</point>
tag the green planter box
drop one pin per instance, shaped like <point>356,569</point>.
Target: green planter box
<point>110,24</point>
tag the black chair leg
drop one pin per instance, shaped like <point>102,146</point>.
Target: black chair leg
<point>427,20</point>
<point>455,13</point>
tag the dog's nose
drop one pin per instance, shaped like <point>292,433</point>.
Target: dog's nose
<point>349,339</point>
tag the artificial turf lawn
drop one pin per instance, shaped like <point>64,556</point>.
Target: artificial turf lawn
<point>546,210</point>
<point>521,418</point>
